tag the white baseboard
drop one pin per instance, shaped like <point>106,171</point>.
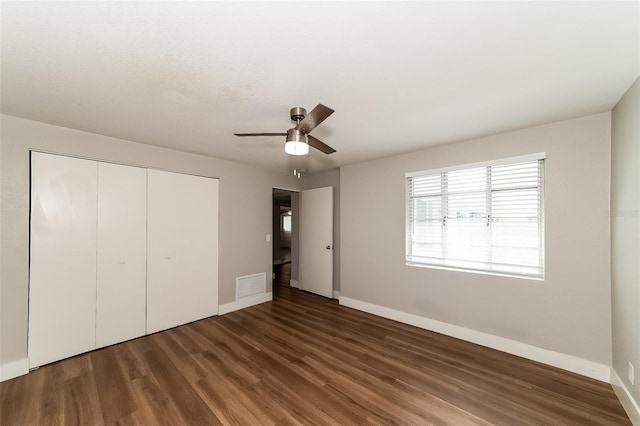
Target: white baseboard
<point>556,359</point>
<point>630,405</point>
<point>294,283</point>
<point>18,367</point>
<point>245,302</point>
<point>336,294</point>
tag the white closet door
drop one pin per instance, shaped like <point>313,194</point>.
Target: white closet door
<point>122,256</point>
<point>182,249</point>
<point>62,289</point>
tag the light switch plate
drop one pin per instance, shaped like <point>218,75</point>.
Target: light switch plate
<point>631,374</point>
<point>268,237</point>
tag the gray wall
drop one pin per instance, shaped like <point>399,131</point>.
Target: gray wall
<point>245,210</point>
<point>568,312</point>
<point>330,177</point>
<point>625,237</point>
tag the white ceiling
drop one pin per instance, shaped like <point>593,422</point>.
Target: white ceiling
<point>401,76</point>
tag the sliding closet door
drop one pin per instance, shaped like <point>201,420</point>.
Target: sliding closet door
<point>122,253</point>
<point>62,288</point>
<point>182,249</point>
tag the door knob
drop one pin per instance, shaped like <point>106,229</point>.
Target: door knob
<point>122,262</point>
<point>168,257</point>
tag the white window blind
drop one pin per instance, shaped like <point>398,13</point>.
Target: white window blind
<point>487,218</point>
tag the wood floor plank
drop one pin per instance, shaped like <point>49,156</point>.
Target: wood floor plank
<point>228,401</point>
<point>303,360</point>
<point>130,359</point>
<point>154,405</point>
<point>113,388</point>
<point>78,407</point>
<point>191,407</point>
<point>173,345</point>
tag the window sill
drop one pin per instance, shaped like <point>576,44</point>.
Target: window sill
<point>475,271</point>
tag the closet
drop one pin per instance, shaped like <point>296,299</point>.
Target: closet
<point>62,280</point>
<point>183,249</point>
<point>117,252</point>
<point>121,249</point>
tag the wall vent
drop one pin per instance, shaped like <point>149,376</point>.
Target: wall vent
<point>251,284</point>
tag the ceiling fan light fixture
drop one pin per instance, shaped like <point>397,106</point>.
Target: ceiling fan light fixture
<point>296,148</point>
<point>296,143</point>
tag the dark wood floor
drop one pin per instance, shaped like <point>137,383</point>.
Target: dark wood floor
<point>282,276</point>
<point>303,359</point>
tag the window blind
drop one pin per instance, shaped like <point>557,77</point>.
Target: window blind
<point>486,218</point>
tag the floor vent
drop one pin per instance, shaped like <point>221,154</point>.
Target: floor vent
<point>250,284</point>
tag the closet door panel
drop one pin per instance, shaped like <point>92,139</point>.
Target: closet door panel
<point>62,287</point>
<point>182,280</point>
<point>122,261</point>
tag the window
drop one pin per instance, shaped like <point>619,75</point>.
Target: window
<point>285,224</point>
<point>483,217</point>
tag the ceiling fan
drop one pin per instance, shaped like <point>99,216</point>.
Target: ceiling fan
<point>298,138</point>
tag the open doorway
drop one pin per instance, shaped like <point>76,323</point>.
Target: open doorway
<point>285,239</point>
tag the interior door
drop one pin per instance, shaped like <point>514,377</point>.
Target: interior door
<point>62,281</point>
<point>122,253</point>
<point>316,241</point>
<point>182,249</point>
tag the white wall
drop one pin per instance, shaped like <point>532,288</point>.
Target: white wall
<point>321,179</point>
<point>625,240</point>
<point>245,211</point>
<point>568,313</point>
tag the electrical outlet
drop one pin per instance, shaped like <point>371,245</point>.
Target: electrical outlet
<point>631,374</point>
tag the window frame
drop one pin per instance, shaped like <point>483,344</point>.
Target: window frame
<point>491,268</point>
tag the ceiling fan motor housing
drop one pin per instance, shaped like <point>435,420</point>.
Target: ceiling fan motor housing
<point>297,113</point>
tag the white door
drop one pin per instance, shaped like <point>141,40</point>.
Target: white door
<point>122,256</point>
<point>62,286</point>
<point>182,249</point>
<point>316,241</point>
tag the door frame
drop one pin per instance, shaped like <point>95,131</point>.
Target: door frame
<point>295,236</point>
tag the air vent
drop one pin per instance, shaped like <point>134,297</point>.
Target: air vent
<point>250,284</point>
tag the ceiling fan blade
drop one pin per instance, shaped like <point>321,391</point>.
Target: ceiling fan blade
<point>319,145</point>
<point>260,134</point>
<point>315,117</point>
